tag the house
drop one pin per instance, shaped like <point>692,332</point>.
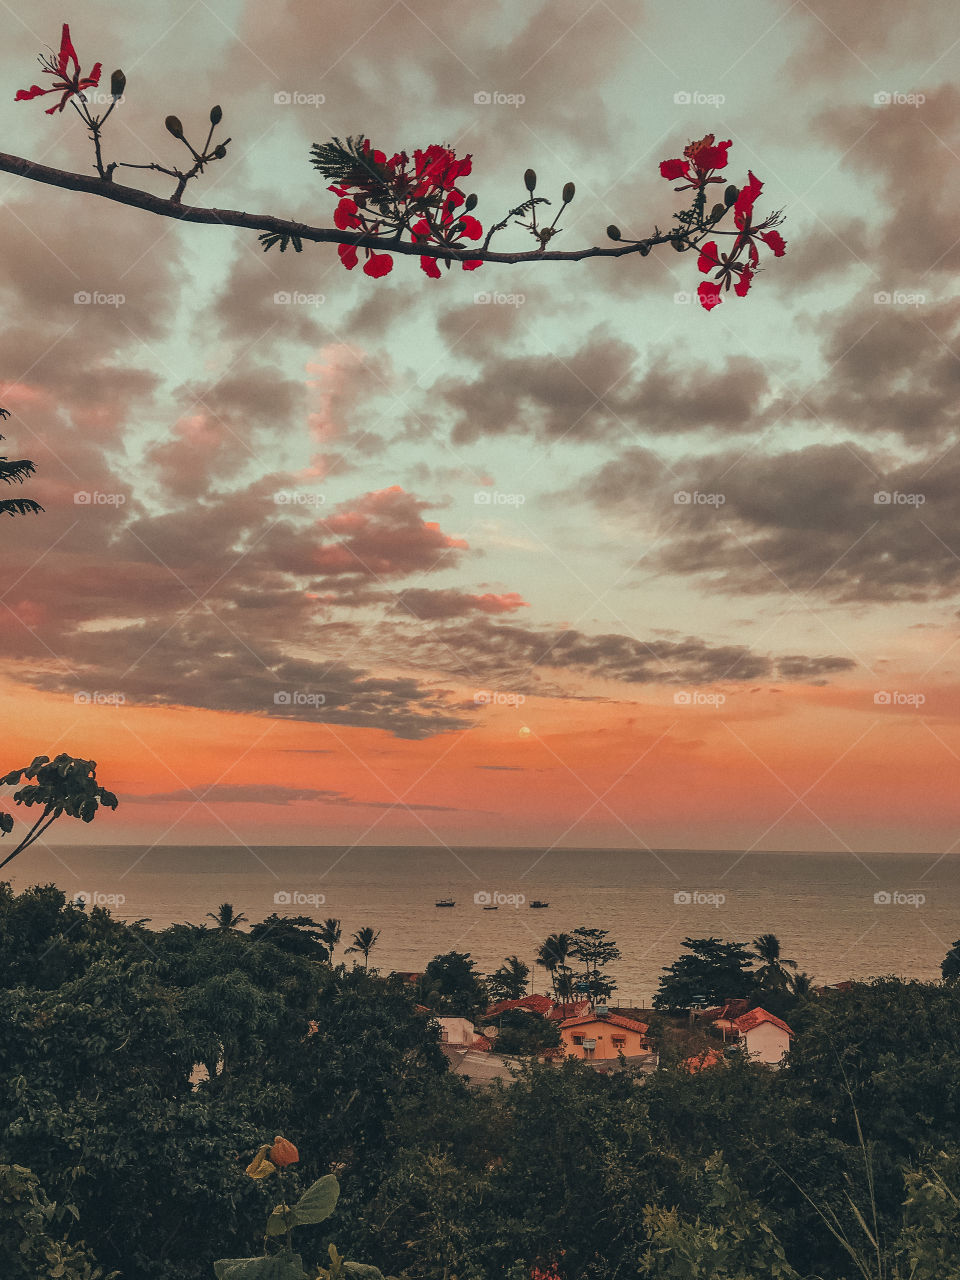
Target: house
<point>763,1036</point>
<point>532,1004</point>
<point>700,1061</point>
<point>459,1032</point>
<point>595,1036</point>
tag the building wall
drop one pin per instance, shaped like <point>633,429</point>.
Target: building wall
<point>604,1034</point>
<point>459,1031</point>
<point>767,1043</point>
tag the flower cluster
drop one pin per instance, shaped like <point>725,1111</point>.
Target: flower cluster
<point>70,84</point>
<point>699,166</point>
<point>418,195</point>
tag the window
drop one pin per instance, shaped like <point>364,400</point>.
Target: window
<point>578,1039</point>
<point>619,1041</point>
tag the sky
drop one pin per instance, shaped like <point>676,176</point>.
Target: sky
<point>329,559</point>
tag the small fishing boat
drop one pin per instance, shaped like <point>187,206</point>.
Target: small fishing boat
<point>537,905</point>
<point>446,902</point>
<point>491,908</point>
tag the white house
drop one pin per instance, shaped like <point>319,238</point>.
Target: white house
<point>764,1037</point>
<point>457,1031</point>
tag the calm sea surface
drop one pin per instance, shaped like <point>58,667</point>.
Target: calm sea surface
<point>822,906</point>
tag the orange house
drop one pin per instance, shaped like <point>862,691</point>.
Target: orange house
<point>596,1036</point>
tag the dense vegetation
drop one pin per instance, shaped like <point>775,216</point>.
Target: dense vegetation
<point>842,1165</point>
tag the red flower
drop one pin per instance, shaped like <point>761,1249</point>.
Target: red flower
<point>704,156</point>
<point>709,294</point>
<point>70,84</point>
<point>470,228</point>
<point>377,264</point>
<point>742,287</point>
<point>430,267</point>
<point>283,1152</point>
<point>348,255</point>
<point>775,241</point>
<point>743,208</point>
<point>345,215</point>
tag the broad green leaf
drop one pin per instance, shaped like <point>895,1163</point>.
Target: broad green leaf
<point>281,1218</point>
<point>274,1267</point>
<point>319,1201</point>
<point>362,1271</point>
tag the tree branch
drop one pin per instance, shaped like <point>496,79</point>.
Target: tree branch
<point>166,208</point>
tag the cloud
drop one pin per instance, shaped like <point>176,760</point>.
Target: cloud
<point>257,793</point>
<point>422,602</point>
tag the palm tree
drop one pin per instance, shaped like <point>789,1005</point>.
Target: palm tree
<point>16,470</point>
<point>801,984</point>
<point>772,974</point>
<point>364,940</point>
<point>329,933</point>
<point>224,917</point>
<point>552,956</point>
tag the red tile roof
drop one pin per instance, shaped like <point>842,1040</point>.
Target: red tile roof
<point>572,1009</point>
<point>481,1043</point>
<point>709,1058</point>
<point>535,1004</point>
<point>615,1020</point>
<point>755,1018</point>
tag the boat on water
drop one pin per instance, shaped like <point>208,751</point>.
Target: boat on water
<point>446,902</point>
<point>491,908</point>
<point>537,905</point>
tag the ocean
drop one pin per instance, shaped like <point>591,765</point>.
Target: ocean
<point>839,915</point>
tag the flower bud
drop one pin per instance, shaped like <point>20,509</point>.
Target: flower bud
<point>470,203</point>
<point>219,150</point>
<point>283,1152</point>
<point>216,115</point>
<point>679,245</point>
<point>730,195</point>
<point>174,126</point>
<point>569,191</point>
<point>717,212</point>
<point>260,1167</point>
<point>643,249</point>
<point>530,180</point>
<point>613,232</point>
<point>118,82</point>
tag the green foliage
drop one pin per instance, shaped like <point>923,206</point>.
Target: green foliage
<point>713,970</point>
<point>510,981</point>
<point>15,471</point>
<point>34,1230</point>
<point>62,785</point>
<point>451,984</point>
<point>729,1240</point>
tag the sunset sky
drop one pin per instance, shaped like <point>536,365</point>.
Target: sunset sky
<point>445,529</point>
